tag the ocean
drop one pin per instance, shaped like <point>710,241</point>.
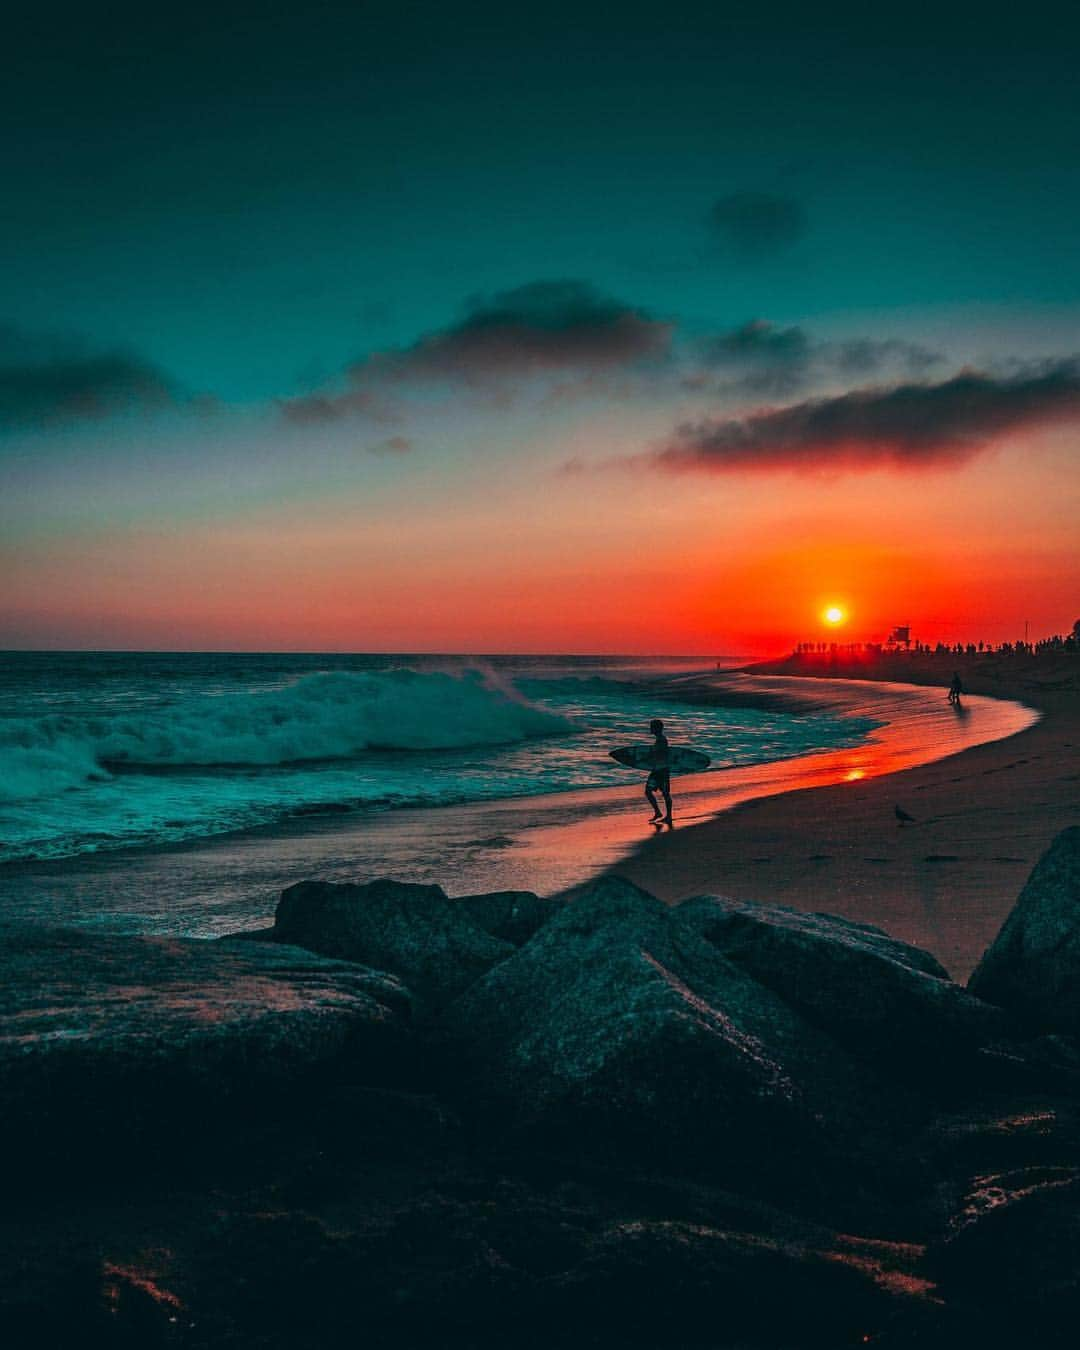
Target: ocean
<point>104,751</point>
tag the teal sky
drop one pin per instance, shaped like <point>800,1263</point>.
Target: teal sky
<point>237,203</point>
<point>252,195</point>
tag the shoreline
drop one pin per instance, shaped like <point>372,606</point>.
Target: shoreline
<point>550,844</point>
<point>945,883</point>
<point>430,1115</point>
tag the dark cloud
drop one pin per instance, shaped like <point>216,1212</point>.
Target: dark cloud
<point>864,356</point>
<point>765,359</point>
<point>319,409</point>
<point>758,358</point>
<point>907,426</point>
<point>759,342</point>
<point>565,329</point>
<point>540,327</point>
<point>757,225</point>
<point>45,381</point>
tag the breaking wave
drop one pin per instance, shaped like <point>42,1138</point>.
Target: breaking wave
<point>321,717</point>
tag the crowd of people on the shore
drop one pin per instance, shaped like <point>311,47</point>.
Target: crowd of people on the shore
<point>1057,644</point>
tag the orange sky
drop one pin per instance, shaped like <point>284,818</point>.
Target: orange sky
<point>608,559</point>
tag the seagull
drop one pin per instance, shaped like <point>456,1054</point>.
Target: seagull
<point>902,816</point>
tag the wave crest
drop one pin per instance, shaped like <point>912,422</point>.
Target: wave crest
<point>331,716</point>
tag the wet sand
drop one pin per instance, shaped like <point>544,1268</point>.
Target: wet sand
<point>830,841</point>
<point>947,882</point>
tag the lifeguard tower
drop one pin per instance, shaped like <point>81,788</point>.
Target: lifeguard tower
<point>899,640</point>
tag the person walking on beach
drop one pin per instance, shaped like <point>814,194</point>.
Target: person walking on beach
<point>956,688</point>
<point>659,779</point>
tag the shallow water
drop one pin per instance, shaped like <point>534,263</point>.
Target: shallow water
<point>104,751</point>
<point>542,843</point>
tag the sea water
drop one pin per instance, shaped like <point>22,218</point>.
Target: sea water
<point>108,750</point>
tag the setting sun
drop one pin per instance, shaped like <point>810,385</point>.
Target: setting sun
<point>834,614</point>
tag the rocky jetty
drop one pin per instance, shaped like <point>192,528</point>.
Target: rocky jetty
<point>617,1027</point>
<point>887,1003</point>
<point>510,916</point>
<point>1033,966</point>
<point>114,1042</point>
<point>603,1122</point>
<point>431,942</point>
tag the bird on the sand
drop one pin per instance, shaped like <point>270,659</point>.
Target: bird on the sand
<point>902,816</point>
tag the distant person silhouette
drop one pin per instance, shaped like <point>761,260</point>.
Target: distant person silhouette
<point>659,780</point>
<point>956,688</point>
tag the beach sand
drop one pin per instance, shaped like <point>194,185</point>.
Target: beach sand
<point>817,832</point>
<point>945,883</point>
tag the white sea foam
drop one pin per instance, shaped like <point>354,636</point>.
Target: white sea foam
<point>321,717</point>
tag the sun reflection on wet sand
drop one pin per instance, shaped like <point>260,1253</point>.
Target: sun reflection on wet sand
<point>545,844</point>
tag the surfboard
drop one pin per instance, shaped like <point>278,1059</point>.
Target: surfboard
<point>681,759</point>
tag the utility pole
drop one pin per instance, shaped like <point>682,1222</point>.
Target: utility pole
<point>1026,621</point>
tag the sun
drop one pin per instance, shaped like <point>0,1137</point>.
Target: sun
<point>834,615</point>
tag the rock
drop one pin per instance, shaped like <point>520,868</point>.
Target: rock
<point>1013,1255</point>
<point>672,1283</point>
<point>513,1267</point>
<point>108,1038</point>
<point>249,935</point>
<point>427,940</point>
<point>1033,965</point>
<point>510,916</point>
<point>617,1028</point>
<point>1048,1064</point>
<point>889,1003</point>
<point>1000,1135</point>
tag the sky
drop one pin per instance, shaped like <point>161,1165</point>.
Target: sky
<point>582,328</point>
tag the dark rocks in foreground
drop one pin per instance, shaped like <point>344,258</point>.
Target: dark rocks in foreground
<point>886,1002</point>
<point>594,1124</point>
<point>106,1038</point>
<point>1012,1254</point>
<point>427,940</point>
<point>1033,965</point>
<point>620,1029</point>
<point>510,916</point>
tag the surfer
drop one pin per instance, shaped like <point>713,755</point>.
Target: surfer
<point>659,779</point>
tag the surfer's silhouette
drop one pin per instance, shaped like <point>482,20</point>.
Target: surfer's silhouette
<point>659,779</point>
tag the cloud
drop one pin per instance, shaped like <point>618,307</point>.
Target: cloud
<point>544,326</point>
<point>764,359</point>
<point>757,358</point>
<point>908,426</point>
<point>563,329</point>
<point>757,225</point>
<point>864,356</point>
<point>759,342</point>
<point>322,408</point>
<point>46,381</point>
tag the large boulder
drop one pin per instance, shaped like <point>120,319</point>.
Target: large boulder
<point>510,916</point>
<point>1012,1256</point>
<point>1033,966</point>
<point>509,1265</point>
<point>617,1027</point>
<point>109,1038</point>
<point>427,940</point>
<point>885,1001</point>
<point>690,1284</point>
